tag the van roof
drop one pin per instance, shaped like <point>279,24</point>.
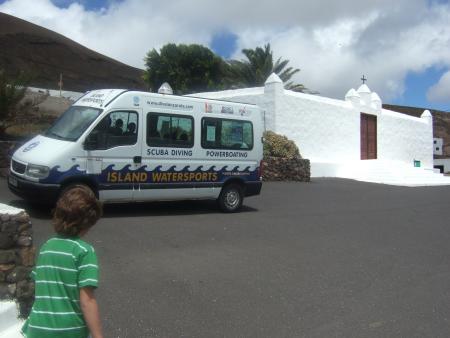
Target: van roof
<point>103,97</point>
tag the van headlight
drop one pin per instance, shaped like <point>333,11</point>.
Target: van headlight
<point>37,171</point>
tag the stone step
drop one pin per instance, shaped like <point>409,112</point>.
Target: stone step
<point>393,173</point>
<point>379,171</point>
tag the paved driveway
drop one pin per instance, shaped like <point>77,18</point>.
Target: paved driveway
<point>330,258</point>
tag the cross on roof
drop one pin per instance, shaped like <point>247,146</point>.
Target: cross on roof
<point>363,79</point>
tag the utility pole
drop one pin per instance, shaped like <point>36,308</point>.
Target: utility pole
<point>60,83</point>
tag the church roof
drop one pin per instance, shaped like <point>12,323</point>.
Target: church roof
<point>352,93</point>
<point>364,89</point>
<point>374,97</point>
<point>273,78</point>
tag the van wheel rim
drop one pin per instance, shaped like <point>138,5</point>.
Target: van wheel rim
<point>232,199</point>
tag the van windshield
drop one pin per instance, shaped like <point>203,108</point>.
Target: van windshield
<point>72,124</point>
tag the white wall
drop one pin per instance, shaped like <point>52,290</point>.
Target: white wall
<point>324,130</point>
<point>405,138</point>
<point>328,130</point>
<point>64,93</point>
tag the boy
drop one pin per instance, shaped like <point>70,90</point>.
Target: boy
<point>66,273</point>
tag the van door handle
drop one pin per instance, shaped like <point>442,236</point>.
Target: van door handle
<point>137,159</point>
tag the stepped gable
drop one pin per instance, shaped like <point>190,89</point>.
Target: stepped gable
<point>45,54</point>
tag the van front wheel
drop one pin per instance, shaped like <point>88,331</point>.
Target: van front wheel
<point>231,198</point>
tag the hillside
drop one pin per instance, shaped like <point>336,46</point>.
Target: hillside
<point>45,54</point>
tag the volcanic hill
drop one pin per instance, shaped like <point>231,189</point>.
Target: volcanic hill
<point>44,55</point>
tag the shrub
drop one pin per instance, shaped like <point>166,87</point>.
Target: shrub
<point>276,145</point>
<point>12,90</point>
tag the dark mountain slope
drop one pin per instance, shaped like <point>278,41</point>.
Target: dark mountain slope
<point>45,54</point>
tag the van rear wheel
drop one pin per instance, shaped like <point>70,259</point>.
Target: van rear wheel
<point>231,198</point>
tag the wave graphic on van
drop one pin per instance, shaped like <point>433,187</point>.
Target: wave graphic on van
<point>158,175</point>
<point>57,176</point>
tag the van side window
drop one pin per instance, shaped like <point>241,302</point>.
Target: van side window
<point>226,134</point>
<point>118,128</point>
<point>169,130</point>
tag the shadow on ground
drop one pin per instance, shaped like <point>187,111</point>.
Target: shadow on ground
<point>137,209</point>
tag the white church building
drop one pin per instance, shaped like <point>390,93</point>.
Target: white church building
<point>352,138</point>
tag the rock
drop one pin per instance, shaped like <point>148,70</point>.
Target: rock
<point>25,290</point>
<point>6,267</point>
<point>4,217</point>
<point>24,241</point>
<point>12,289</point>
<point>27,255</point>
<point>22,217</point>
<point>7,256</point>
<point>10,227</point>
<point>19,273</point>
<point>6,241</point>
<point>28,233</point>
<point>4,291</point>
<point>24,226</point>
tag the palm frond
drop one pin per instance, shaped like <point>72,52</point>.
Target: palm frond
<point>258,66</point>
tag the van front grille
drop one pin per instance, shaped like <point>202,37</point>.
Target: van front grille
<point>18,167</point>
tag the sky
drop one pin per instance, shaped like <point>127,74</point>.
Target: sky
<point>402,47</point>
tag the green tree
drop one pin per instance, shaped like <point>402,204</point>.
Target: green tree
<point>257,68</point>
<point>12,90</point>
<point>187,68</point>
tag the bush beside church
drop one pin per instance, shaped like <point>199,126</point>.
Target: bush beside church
<point>282,160</point>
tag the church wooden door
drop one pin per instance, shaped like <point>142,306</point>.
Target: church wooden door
<point>368,137</point>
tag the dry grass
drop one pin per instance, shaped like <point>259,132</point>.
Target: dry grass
<point>35,114</point>
<point>27,130</point>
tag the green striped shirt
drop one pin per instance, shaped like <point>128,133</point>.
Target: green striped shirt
<point>64,265</point>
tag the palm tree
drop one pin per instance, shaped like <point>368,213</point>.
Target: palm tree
<point>257,68</point>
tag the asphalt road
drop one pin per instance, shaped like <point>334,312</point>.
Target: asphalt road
<point>330,258</point>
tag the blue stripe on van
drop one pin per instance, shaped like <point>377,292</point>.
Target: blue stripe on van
<point>127,177</point>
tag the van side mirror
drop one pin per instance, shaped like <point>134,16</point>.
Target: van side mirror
<point>91,141</point>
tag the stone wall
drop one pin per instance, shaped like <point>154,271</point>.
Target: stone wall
<point>17,255</point>
<point>286,169</point>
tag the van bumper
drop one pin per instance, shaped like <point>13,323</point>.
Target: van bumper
<point>252,188</point>
<point>33,191</point>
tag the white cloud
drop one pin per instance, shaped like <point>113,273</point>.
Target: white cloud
<point>333,57</point>
<point>440,92</point>
<point>125,31</point>
<point>333,42</point>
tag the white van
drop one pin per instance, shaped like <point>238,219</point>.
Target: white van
<point>137,146</point>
